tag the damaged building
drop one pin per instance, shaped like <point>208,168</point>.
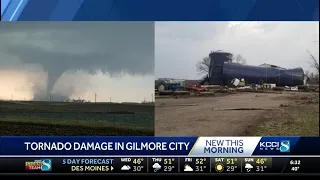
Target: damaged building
<point>222,71</point>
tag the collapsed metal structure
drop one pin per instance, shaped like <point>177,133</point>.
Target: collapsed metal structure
<point>222,70</point>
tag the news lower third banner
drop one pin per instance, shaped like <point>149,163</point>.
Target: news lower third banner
<point>155,146</point>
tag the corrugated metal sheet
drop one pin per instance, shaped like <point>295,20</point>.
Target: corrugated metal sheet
<point>253,74</point>
<point>216,65</point>
<point>222,71</point>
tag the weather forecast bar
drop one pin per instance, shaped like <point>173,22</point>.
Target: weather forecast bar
<point>161,165</point>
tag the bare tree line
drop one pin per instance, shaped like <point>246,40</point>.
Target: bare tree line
<point>314,63</point>
<point>313,77</point>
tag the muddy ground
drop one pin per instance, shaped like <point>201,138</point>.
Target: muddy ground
<point>214,116</point>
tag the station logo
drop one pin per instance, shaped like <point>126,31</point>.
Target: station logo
<point>282,146</point>
<point>39,165</point>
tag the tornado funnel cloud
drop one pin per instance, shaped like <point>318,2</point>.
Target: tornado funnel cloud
<point>112,48</point>
<point>53,77</point>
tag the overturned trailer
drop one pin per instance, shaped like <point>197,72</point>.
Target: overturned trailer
<point>223,70</point>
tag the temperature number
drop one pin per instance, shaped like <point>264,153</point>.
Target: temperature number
<point>200,161</point>
<point>261,161</point>
<point>231,161</point>
<point>168,168</point>
<point>138,161</point>
<point>260,168</point>
<point>168,161</point>
<point>200,168</point>
<point>231,168</point>
<point>295,168</point>
<point>137,168</point>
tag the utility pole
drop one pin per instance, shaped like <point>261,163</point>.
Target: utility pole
<point>95,97</point>
<point>151,97</point>
<point>110,99</point>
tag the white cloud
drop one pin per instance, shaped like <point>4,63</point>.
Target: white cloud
<point>125,168</point>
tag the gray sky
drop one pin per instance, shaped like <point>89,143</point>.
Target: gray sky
<point>78,59</point>
<point>180,45</point>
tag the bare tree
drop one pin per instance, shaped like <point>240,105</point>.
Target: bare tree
<point>314,62</point>
<point>307,73</point>
<point>204,66</point>
<point>239,59</point>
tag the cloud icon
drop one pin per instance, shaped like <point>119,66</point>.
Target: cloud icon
<point>188,168</point>
<point>156,166</point>
<point>248,166</point>
<point>125,168</point>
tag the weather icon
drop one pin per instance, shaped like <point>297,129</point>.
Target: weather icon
<point>219,167</point>
<point>125,168</point>
<point>156,167</point>
<point>248,167</point>
<point>187,168</point>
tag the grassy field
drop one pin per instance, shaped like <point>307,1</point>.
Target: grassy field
<point>300,118</point>
<point>72,119</point>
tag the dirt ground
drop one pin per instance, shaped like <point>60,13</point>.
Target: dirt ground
<point>211,116</point>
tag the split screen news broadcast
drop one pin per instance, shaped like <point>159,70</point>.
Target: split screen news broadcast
<point>110,87</point>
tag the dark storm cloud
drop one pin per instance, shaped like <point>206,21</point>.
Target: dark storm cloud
<point>112,47</point>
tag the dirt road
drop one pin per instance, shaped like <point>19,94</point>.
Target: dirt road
<point>206,116</point>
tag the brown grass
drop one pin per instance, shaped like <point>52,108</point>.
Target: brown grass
<point>289,120</point>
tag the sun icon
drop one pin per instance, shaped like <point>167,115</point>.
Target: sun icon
<point>219,167</point>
